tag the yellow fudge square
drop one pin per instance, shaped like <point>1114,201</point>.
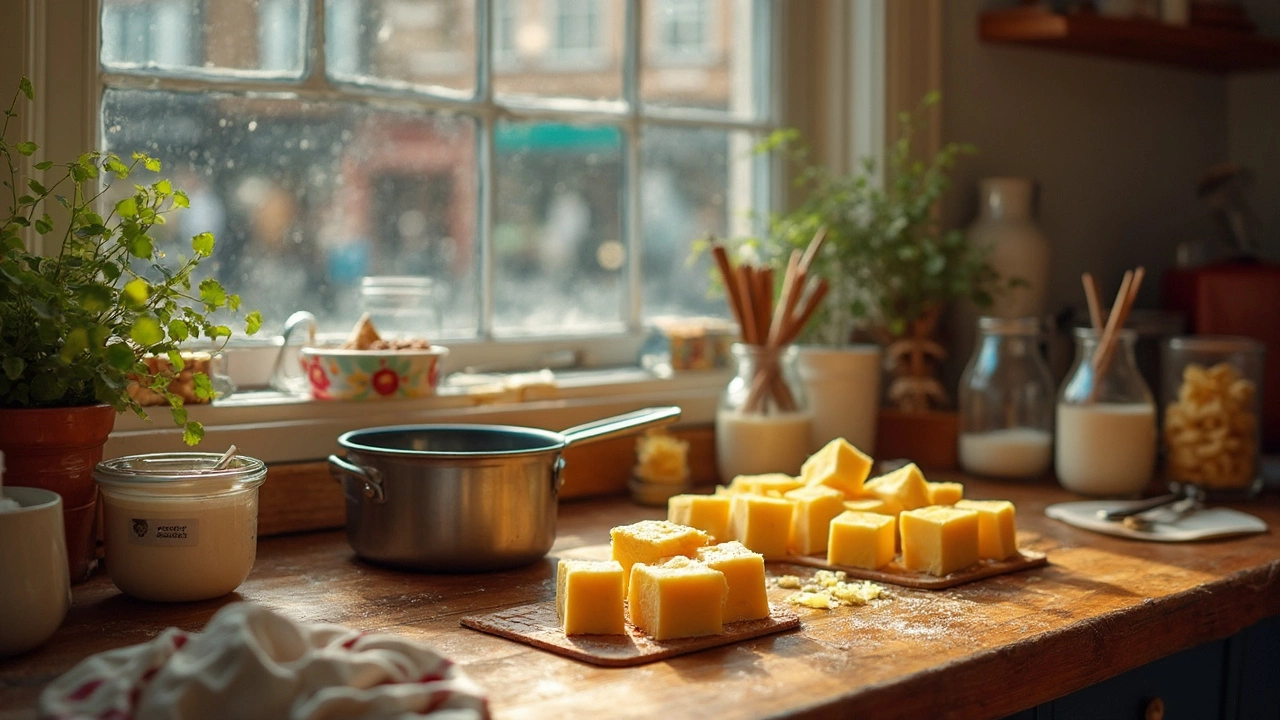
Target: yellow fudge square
<point>905,486</point>
<point>861,539</point>
<point>815,505</point>
<point>709,513</point>
<point>944,493</point>
<point>589,597</point>
<point>997,532</point>
<point>873,505</point>
<point>649,541</point>
<point>744,572</point>
<point>761,523</point>
<point>839,465</point>
<point>679,598</point>
<point>775,484</point>
<point>938,539</point>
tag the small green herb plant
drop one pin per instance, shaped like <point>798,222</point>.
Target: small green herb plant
<point>887,261</point>
<point>76,326</point>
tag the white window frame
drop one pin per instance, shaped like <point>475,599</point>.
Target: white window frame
<point>64,121</point>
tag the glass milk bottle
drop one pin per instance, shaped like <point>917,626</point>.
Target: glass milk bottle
<point>1006,402</point>
<point>1106,421</point>
<point>762,423</point>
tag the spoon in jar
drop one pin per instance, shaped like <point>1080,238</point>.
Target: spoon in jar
<point>226,458</point>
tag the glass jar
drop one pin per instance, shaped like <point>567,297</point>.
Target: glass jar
<point>175,528</point>
<point>401,306</point>
<point>762,422</point>
<point>1006,402</point>
<point>1106,421</point>
<point>1211,391</point>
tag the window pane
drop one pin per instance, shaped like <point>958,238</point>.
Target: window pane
<point>700,54</point>
<point>236,37</point>
<point>424,43</point>
<point>306,199</point>
<point>559,257</point>
<point>559,48</point>
<point>692,182</point>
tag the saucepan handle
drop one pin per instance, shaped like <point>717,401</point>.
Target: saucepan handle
<point>371,478</point>
<point>621,424</point>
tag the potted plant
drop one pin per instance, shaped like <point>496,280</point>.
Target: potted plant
<point>77,327</point>
<point>890,266</point>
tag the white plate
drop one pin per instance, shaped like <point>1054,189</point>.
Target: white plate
<point>1201,524</point>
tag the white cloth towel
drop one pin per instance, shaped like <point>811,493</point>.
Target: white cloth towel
<point>253,663</point>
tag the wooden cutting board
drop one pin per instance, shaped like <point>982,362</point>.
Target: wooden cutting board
<point>536,625</point>
<point>895,574</point>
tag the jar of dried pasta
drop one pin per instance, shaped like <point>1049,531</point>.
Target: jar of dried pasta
<point>1212,396</point>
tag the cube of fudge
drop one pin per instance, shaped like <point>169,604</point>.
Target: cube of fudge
<point>839,465</point>
<point>652,540</point>
<point>997,533</point>
<point>744,572</point>
<point>815,505</point>
<point>589,597</point>
<point>761,523</point>
<point>944,493</point>
<point>938,539</point>
<point>861,539</point>
<point>678,598</point>
<point>774,484</point>
<point>709,513</point>
<point>905,486</point>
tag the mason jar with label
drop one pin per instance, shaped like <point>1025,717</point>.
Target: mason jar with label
<point>1212,393</point>
<point>1006,402</point>
<point>176,527</point>
<point>1106,421</point>
<point>763,420</point>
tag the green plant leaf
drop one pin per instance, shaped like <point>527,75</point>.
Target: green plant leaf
<point>192,433</point>
<point>120,356</point>
<point>180,199</point>
<point>202,244</point>
<point>127,208</point>
<point>25,86</point>
<point>44,165</point>
<point>77,342</point>
<point>163,188</point>
<point>252,322</point>
<point>44,225</point>
<point>212,292</point>
<point>37,188</point>
<point>178,331</point>
<point>47,387</point>
<point>203,386</point>
<point>13,367</point>
<point>141,246</point>
<point>176,361</point>
<point>136,292</point>
<point>146,331</point>
<point>151,164</point>
<point>27,148</point>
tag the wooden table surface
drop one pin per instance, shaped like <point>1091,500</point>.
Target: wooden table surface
<point>1103,606</point>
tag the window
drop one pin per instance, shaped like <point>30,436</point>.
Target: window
<point>682,27</point>
<point>535,199</point>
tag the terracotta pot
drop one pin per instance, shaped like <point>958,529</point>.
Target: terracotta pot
<point>57,449</point>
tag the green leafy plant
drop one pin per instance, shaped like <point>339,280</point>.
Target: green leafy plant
<point>887,260</point>
<point>75,327</point>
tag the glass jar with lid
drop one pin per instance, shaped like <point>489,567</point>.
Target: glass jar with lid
<point>1212,395</point>
<point>763,420</point>
<point>1106,420</point>
<point>1006,402</point>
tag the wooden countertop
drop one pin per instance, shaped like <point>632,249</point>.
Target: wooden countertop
<point>1103,606</point>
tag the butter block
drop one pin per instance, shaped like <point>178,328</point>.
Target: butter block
<point>905,486</point>
<point>649,541</point>
<point>744,572</point>
<point>944,493</point>
<point>839,465</point>
<point>861,539</point>
<point>815,506</point>
<point>678,598</point>
<point>773,484</point>
<point>589,597</point>
<point>761,523</point>
<point>938,539</point>
<point>997,532</point>
<point>874,505</point>
<point>709,513</point>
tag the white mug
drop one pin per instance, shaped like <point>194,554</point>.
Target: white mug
<point>35,590</point>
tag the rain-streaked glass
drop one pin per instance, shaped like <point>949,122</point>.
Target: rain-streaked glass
<point>425,44</point>
<point>223,38</point>
<point>559,252</point>
<point>559,48</point>
<point>306,199</point>
<point>701,54</point>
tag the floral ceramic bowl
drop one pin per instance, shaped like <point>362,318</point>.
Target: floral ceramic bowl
<point>338,374</point>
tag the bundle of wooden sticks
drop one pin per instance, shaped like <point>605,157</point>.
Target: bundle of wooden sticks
<point>1108,326</point>
<point>768,327</point>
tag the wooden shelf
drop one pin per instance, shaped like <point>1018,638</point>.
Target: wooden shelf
<point>1198,48</point>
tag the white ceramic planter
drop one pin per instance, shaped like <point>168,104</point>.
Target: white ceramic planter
<point>843,387</point>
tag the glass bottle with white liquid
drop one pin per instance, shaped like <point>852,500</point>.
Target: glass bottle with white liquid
<point>1006,402</point>
<point>762,423</point>
<point>1106,421</point>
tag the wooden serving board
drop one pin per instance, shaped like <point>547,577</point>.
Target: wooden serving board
<point>895,574</point>
<point>536,624</point>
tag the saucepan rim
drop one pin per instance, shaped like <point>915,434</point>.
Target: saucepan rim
<point>551,441</point>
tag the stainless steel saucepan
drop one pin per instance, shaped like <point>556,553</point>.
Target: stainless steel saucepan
<point>462,498</point>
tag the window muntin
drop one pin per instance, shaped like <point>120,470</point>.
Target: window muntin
<point>392,167</point>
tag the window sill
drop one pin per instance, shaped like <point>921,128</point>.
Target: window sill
<point>278,428</point>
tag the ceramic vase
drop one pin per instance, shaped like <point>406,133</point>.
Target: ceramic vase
<point>843,387</point>
<point>1018,249</point>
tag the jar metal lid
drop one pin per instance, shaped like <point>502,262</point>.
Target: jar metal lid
<point>1222,344</point>
<point>179,474</point>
